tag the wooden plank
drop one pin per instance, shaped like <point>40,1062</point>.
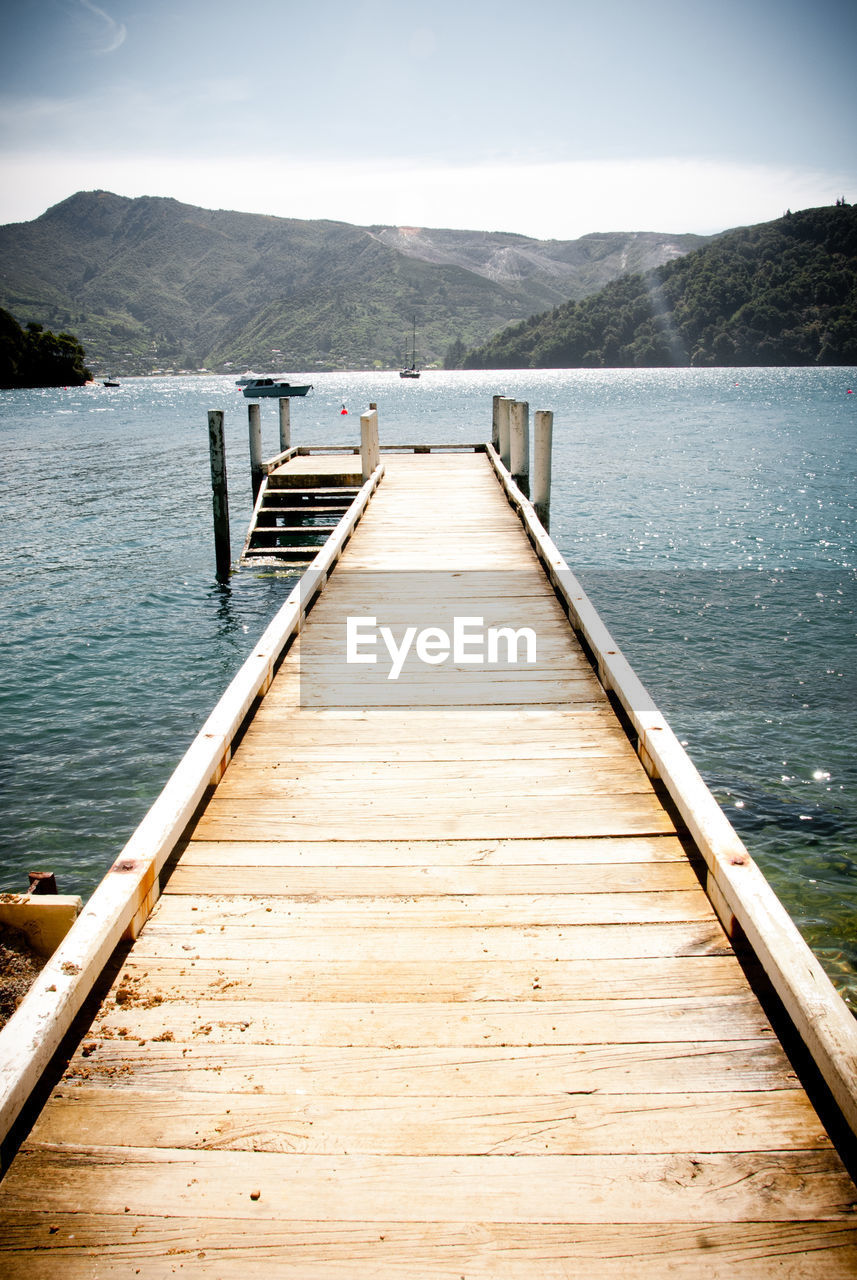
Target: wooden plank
<point>315,470</point>
<point>438,1024</point>
<point>429,881</point>
<point>482,1251</point>
<point>306,746</point>
<point>489,588</point>
<point>548,779</point>
<point>668,977</point>
<point>316,688</point>
<point>326,647</point>
<point>733,1187</point>
<point>541,944</point>
<point>375,1124</point>
<point>247,911</point>
<point>382,818</point>
<point>662,1068</point>
<point>287,703</point>
<point>598,852</point>
<point>560,723</point>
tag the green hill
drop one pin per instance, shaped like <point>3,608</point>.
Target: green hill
<point>151,283</point>
<point>35,357</point>
<point>779,293</point>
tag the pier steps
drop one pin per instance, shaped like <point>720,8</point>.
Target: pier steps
<point>296,508</point>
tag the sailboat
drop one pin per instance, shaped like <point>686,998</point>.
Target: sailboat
<point>413,371</point>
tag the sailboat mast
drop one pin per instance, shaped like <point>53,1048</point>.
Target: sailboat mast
<point>413,371</point>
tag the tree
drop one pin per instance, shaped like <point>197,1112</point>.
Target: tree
<point>36,357</point>
<point>455,353</point>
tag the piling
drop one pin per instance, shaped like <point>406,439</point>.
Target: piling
<point>495,422</point>
<point>542,450</point>
<point>504,405</point>
<point>369,449</point>
<point>285,424</point>
<point>519,445</point>
<point>220,498</point>
<point>256,469</point>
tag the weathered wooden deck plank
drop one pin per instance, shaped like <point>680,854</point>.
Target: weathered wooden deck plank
<point>392,880</point>
<point>441,1024</point>
<point>558,1124</point>
<point>119,1246</point>
<point>434,853</point>
<point>662,977</point>
<point>539,943</point>
<point>383,817</point>
<point>471,911</point>
<point>311,738</point>
<point>667,1067</point>
<point>791,1186</point>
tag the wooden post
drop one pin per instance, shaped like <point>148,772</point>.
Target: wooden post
<point>369,451</point>
<point>519,445</point>
<point>542,449</point>
<point>376,447</point>
<point>285,424</point>
<point>504,406</point>
<point>495,422</point>
<point>256,473</point>
<point>220,497</point>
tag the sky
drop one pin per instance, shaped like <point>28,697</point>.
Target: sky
<point>550,118</point>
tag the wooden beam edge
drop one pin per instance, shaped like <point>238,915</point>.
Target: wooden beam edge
<point>277,461</point>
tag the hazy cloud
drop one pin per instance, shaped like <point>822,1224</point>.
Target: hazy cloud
<point>111,33</point>
<point>560,201</point>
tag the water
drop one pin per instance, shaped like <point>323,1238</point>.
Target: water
<point>709,513</point>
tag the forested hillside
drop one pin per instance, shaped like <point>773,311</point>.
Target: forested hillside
<point>35,357</point>
<point>151,283</point>
<point>779,293</point>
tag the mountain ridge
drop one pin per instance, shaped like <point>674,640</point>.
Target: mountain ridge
<point>771,294</point>
<point>150,282</point>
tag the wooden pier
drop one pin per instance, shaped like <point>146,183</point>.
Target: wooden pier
<point>438,982</point>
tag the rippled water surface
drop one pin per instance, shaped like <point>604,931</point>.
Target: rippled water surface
<point>709,513</point>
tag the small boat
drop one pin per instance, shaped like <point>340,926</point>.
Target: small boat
<point>108,382</point>
<point>413,371</point>
<point>254,387</point>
